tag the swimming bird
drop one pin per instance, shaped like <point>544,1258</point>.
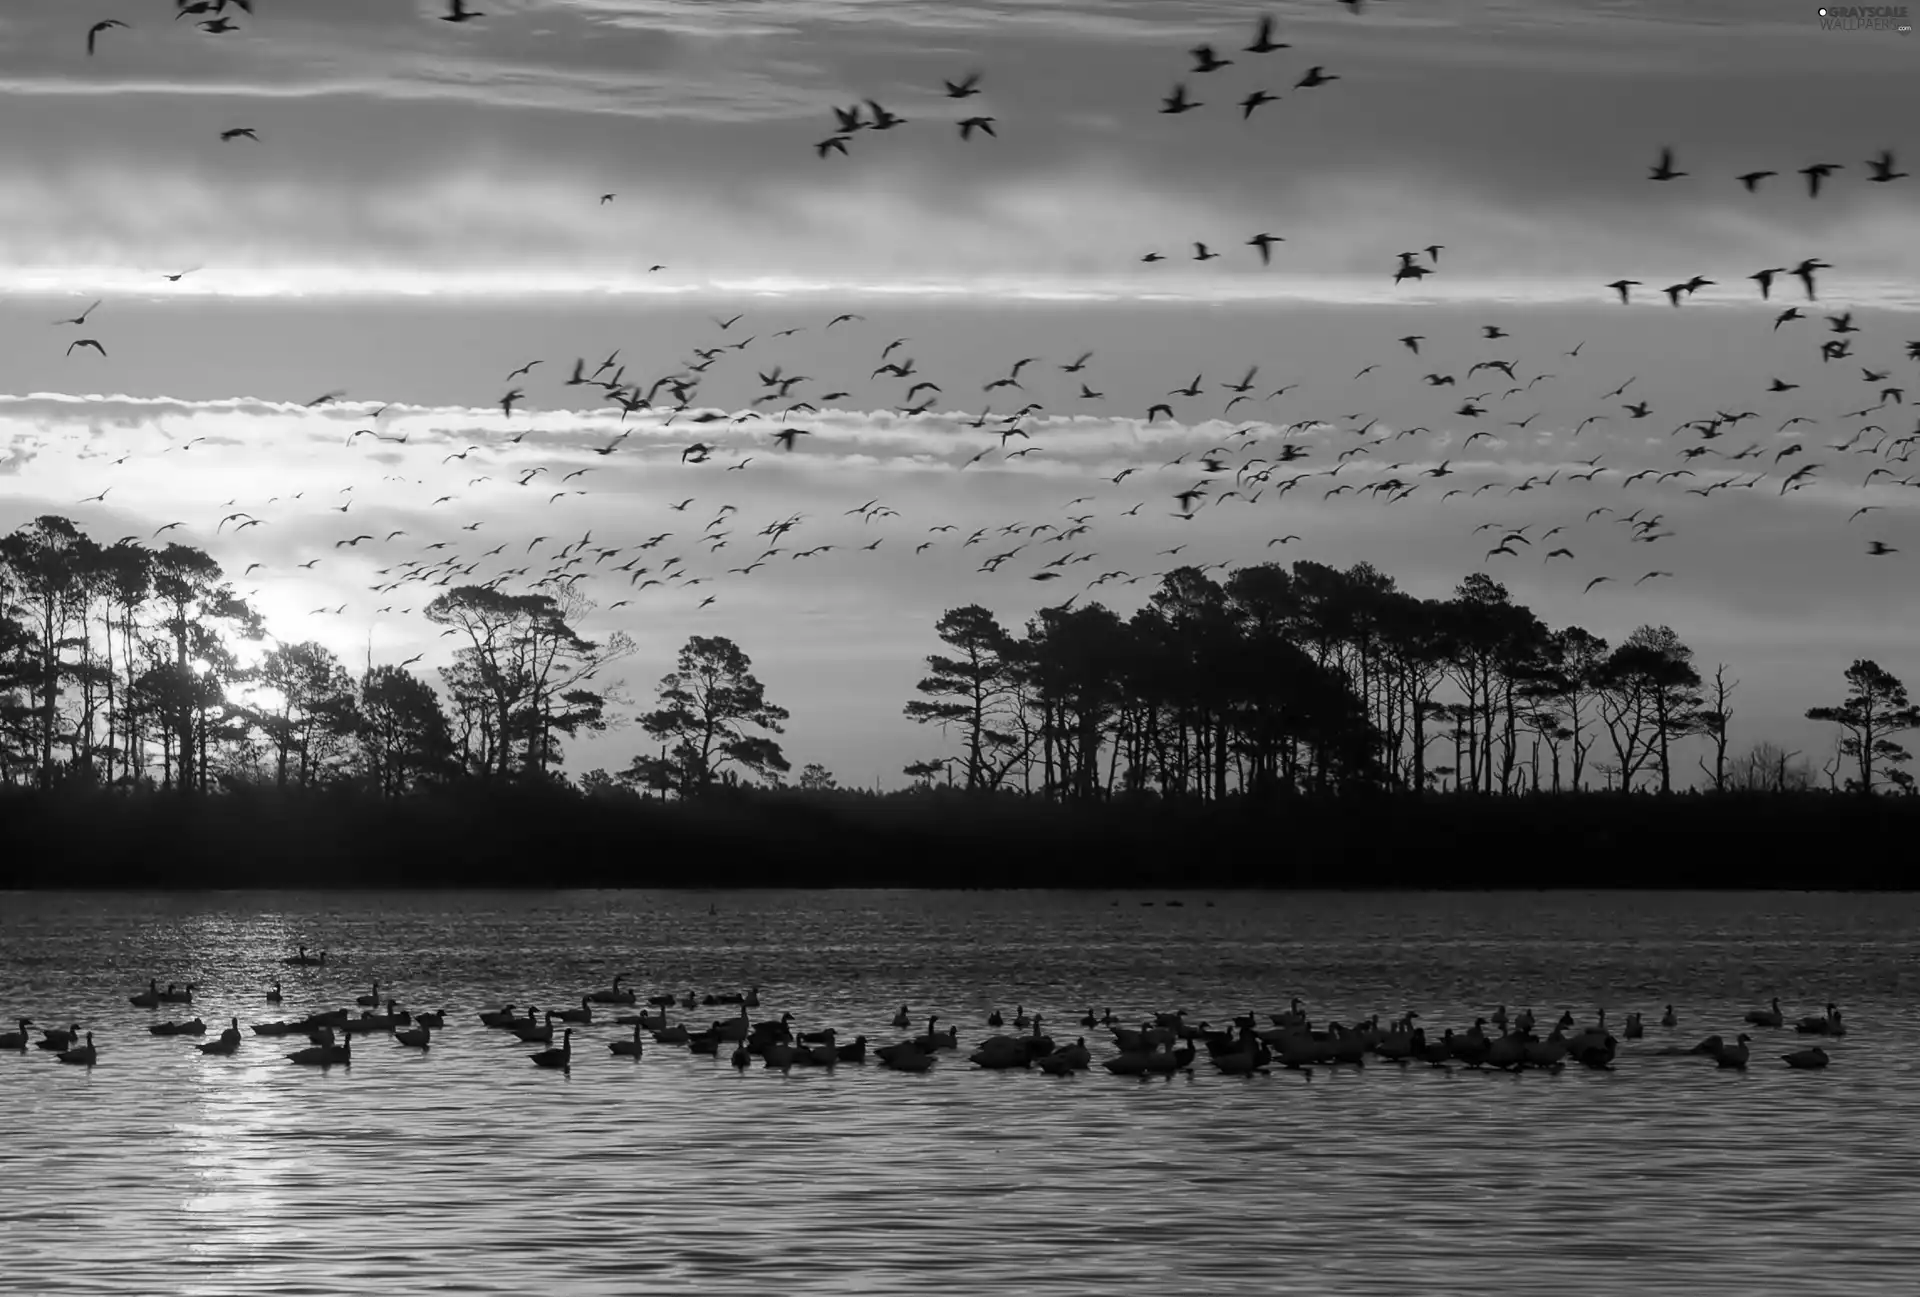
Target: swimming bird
<point>1806,1059</point>
<point>1733,1056</point>
<point>1769,1017</point>
<point>561,1058</point>
<point>83,1055</point>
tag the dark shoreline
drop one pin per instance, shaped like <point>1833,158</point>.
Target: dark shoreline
<point>534,839</point>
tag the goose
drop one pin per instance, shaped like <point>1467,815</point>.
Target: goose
<point>901,1019</point>
<point>614,996</point>
<point>675,1035</point>
<point>274,1028</point>
<point>496,1017</point>
<point>1020,1016</point>
<point>1499,1018</point>
<point>650,1021</point>
<point>704,1043</point>
<point>1667,1019</point>
<point>1076,1056</point>
<point>147,999</point>
<point>905,1058</point>
<point>776,1028</point>
<point>1734,1055</point>
<point>1711,1045</point>
<point>1524,1023</point>
<point>85,1055</point>
<point>561,1058</point>
<point>435,1020</point>
<point>688,1001</point>
<point>193,1028</point>
<point>331,1018</point>
<point>661,1001</point>
<point>1806,1059</point>
<point>741,1059</point>
<point>937,1040</point>
<point>630,1048</point>
<point>1295,1016</point>
<point>228,1042</point>
<point>172,996</point>
<point>1088,1021</point>
<point>273,996</point>
<point>818,1037</point>
<point>540,1035</point>
<point>1634,1031</point>
<point>532,1019</point>
<point>1566,1019</point>
<point>304,960</point>
<point>583,1014</point>
<point>752,998</point>
<point>995,1020</point>
<point>1001,1052</point>
<point>322,1036</point>
<point>56,1039</point>
<point>853,1053</point>
<point>1822,1025</point>
<point>324,1055</point>
<point>1767,1017</point>
<point>17,1039</point>
<point>370,1000</point>
<point>1055,1065</point>
<point>419,1037</point>
<point>780,1054</point>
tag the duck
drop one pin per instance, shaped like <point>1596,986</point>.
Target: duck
<point>17,1039</point>
<point>1806,1059</point>
<point>1734,1055</point>
<point>228,1041</point>
<point>561,1058</point>
<point>324,1055</point>
<point>273,996</point>
<point>147,999</point>
<point>627,1048</point>
<point>1667,1019</point>
<point>1767,1017</point>
<point>419,1037</point>
<point>84,1055</point>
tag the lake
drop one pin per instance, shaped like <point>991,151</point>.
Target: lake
<point>466,1169</point>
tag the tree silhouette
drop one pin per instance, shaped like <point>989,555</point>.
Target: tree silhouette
<point>311,710</point>
<point>1649,697</point>
<point>974,691</point>
<point>1876,708</point>
<point>404,738</point>
<point>816,778</point>
<point>709,703</point>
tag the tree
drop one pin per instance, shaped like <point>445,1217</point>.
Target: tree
<point>1649,698</point>
<point>974,691</point>
<point>709,703</point>
<point>1876,708</point>
<point>816,778</point>
<point>308,711</point>
<point>1713,721</point>
<point>404,738</point>
<point>1764,768</point>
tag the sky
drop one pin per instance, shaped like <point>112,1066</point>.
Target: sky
<point>419,213</point>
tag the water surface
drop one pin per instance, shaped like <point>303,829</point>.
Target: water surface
<point>466,1169</point>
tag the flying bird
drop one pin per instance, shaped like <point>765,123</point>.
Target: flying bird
<point>1664,171</point>
<point>240,132</point>
<point>1816,173</point>
<point>95,30</point>
<point>457,12</point>
<point>1263,42</point>
<point>86,342</point>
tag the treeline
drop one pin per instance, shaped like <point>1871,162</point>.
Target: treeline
<point>131,668</point>
<point>1315,682</point>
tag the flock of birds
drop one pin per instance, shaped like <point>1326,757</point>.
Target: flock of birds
<point>1263,457</point>
<point>1162,1044</point>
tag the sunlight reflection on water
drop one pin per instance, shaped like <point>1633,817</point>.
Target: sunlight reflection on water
<point>464,1169</point>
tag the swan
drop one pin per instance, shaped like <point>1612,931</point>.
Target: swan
<point>1767,1017</point>
<point>85,1055</point>
<point>1806,1059</point>
<point>561,1058</point>
<point>630,1048</point>
<point>1734,1055</point>
<point>419,1037</point>
<point>228,1042</point>
<point>1667,1019</point>
<point>17,1039</point>
<point>273,996</point>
